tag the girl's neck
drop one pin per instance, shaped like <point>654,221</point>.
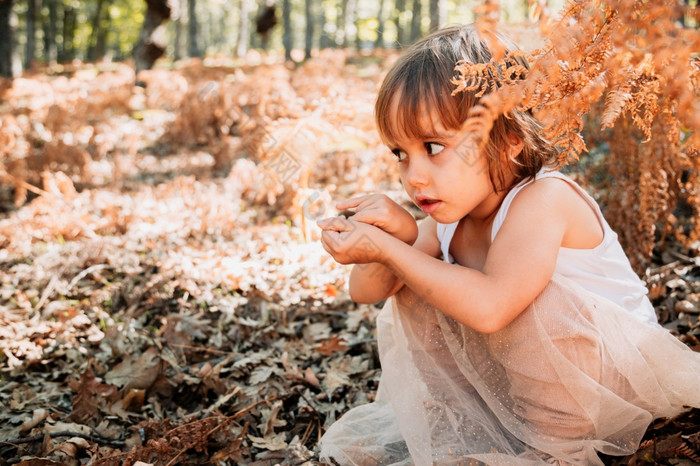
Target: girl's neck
<point>486,212</point>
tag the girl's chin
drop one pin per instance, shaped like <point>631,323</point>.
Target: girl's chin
<point>441,216</point>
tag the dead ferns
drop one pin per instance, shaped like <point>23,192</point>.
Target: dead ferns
<point>633,67</point>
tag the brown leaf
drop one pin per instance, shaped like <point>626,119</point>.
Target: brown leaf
<point>330,346</point>
<point>37,418</point>
<point>85,402</point>
<point>331,290</point>
<point>136,374</point>
<point>134,398</point>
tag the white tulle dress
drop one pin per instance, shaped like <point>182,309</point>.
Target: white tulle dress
<point>573,375</point>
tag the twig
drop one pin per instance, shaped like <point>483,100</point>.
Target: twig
<point>66,433</point>
<point>307,432</point>
<point>47,293</point>
<point>243,411</point>
<point>82,275</point>
<point>200,348</point>
<point>22,183</point>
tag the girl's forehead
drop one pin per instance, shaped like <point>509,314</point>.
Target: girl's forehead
<point>404,121</point>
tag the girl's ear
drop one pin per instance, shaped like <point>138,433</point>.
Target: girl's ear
<point>514,146</point>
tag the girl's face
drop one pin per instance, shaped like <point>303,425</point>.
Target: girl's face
<point>444,172</point>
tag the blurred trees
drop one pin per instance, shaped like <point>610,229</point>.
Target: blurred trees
<point>192,27</point>
<point>60,31</point>
<point>150,47</point>
<point>30,49</point>
<point>6,39</point>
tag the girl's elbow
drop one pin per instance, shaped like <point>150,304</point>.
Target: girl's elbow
<point>489,327</point>
<point>491,322</point>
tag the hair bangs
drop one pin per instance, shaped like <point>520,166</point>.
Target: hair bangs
<point>416,91</point>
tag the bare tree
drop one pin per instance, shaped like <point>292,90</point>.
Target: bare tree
<point>243,40</point>
<point>177,45</point>
<point>287,28</point>
<point>325,40</point>
<point>6,39</point>
<point>348,22</point>
<point>50,50</point>
<point>30,45</point>
<point>310,26</point>
<point>98,37</point>
<point>416,20</point>
<point>265,21</point>
<point>438,14</point>
<point>67,51</point>
<point>379,41</point>
<point>398,21</point>
<point>150,46</point>
<point>192,29</point>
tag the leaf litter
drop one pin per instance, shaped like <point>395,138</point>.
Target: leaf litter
<point>164,298</point>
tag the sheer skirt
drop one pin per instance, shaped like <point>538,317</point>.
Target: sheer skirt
<point>571,376</point>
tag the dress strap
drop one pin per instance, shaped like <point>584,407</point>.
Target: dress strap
<point>445,232</point>
<point>508,200</point>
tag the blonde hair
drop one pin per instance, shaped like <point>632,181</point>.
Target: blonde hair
<point>422,79</point>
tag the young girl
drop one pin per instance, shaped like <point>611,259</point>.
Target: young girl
<point>516,331</point>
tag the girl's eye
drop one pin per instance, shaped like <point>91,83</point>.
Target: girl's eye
<point>433,148</point>
<point>400,155</point>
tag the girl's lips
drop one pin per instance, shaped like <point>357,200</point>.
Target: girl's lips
<point>429,205</point>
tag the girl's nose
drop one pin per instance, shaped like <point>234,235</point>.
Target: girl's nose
<point>417,172</point>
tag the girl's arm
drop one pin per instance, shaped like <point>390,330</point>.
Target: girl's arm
<point>374,282</point>
<point>519,264</point>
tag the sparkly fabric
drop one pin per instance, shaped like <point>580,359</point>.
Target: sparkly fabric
<point>569,377</point>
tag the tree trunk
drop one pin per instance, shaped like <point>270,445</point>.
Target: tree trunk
<point>325,41</point>
<point>243,42</point>
<point>309,36</point>
<point>265,20</point>
<point>30,49</point>
<point>102,30</point>
<point>67,52</point>
<point>222,31</point>
<point>177,45</point>
<point>192,45</point>
<point>50,49</point>
<point>356,27</point>
<point>339,20</point>
<point>149,48</point>
<point>287,26</point>
<point>438,14</point>
<point>93,53</point>
<point>349,33</point>
<point>379,41</point>
<point>6,39</point>
<point>416,21</point>
<point>398,20</point>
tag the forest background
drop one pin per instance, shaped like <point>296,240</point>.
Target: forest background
<point>164,295</point>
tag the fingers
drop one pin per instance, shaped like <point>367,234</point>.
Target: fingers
<point>333,243</point>
<point>368,216</point>
<point>352,202</point>
<point>335,224</point>
<point>370,208</point>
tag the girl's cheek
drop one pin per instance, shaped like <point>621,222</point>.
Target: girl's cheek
<point>402,178</point>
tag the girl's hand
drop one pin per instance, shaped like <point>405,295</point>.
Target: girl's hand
<point>351,242</point>
<point>383,213</point>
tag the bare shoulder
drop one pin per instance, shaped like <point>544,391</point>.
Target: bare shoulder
<point>552,199</point>
<point>549,193</point>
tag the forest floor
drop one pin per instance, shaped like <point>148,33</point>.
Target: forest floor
<point>164,298</point>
